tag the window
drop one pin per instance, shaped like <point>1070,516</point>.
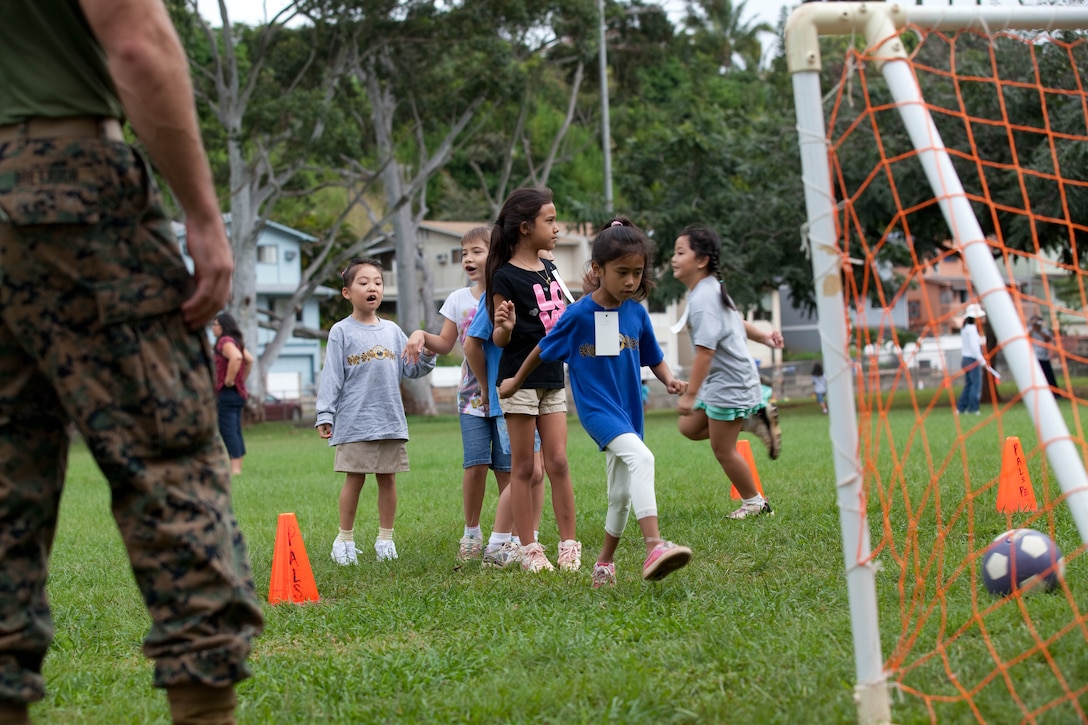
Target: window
<point>267,253</point>
<point>455,255</point>
<point>914,310</point>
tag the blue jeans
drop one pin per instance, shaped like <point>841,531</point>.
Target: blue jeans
<point>972,386</point>
<point>230,404</point>
<point>485,441</point>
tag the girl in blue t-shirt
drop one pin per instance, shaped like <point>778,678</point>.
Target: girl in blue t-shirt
<point>605,338</point>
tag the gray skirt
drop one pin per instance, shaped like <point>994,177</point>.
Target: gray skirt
<point>387,456</point>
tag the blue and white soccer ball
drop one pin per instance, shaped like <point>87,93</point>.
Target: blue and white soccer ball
<point>1022,559</point>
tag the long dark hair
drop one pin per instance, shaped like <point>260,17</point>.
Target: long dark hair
<point>520,207</point>
<point>705,242</point>
<point>619,238</point>
<point>228,327</point>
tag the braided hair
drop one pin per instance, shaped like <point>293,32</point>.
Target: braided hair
<point>705,242</point>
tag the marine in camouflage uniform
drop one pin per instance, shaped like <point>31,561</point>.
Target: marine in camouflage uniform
<point>91,333</point>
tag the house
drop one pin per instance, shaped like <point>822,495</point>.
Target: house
<point>279,270</point>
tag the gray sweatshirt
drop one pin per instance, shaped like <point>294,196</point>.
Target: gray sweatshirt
<point>360,382</point>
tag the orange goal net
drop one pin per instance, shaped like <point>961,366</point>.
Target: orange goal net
<point>945,158</point>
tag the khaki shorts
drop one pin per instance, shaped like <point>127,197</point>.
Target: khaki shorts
<point>389,456</point>
<point>535,401</point>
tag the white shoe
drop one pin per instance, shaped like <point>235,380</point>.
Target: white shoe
<point>385,549</point>
<point>344,553</point>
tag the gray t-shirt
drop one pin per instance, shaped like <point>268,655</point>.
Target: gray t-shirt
<point>733,380</point>
<point>360,382</point>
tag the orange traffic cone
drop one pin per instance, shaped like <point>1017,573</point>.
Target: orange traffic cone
<point>1014,491</point>
<point>746,450</point>
<point>292,578</point>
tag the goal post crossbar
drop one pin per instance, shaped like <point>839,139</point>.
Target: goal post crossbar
<point>879,24</point>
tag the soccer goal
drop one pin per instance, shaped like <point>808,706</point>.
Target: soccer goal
<point>944,155</point>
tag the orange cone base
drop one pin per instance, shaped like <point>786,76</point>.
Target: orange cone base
<point>292,577</point>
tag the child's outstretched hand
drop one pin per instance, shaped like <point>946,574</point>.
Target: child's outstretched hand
<point>325,430</point>
<point>677,387</point>
<point>416,345</point>
<point>505,317</point>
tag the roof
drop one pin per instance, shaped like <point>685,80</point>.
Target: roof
<point>179,230</point>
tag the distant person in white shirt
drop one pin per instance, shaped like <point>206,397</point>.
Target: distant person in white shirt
<point>971,362</point>
<point>1042,338</point>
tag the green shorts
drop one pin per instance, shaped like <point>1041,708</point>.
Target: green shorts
<point>715,413</point>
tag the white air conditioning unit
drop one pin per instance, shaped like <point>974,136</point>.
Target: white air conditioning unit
<point>443,258</point>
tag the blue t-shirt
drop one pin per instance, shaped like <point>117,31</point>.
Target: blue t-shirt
<point>481,328</point>
<point>608,389</point>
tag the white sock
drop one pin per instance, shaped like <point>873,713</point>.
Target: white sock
<point>348,536</point>
<point>473,531</point>
<point>385,534</point>
<point>497,538</point>
<point>757,499</point>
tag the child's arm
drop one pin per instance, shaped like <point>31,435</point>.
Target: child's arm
<point>504,321</point>
<point>699,369</point>
<point>477,363</point>
<point>332,382</point>
<point>423,342</point>
<point>770,338</point>
<point>511,385</point>
<point>662,372</point>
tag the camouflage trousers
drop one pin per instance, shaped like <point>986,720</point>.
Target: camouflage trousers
<point>91,280</point>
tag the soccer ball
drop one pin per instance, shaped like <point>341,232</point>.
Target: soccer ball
<point>1021,559</point>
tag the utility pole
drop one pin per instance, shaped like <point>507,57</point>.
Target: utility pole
<point>606,130</point>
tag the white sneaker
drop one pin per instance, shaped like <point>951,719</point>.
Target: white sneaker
<point>570,556</point>
<point>344,553</point>
<point>385,549</point>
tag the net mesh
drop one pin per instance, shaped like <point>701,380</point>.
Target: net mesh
<point>938,485</point>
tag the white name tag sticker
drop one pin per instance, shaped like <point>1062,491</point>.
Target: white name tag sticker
<point>606,330</point>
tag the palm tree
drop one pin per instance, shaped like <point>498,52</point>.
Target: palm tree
<point>718,31</point>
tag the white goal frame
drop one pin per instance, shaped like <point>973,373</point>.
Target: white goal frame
<point>879,24</point>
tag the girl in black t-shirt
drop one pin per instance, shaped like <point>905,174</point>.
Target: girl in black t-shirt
<point>525,299</point>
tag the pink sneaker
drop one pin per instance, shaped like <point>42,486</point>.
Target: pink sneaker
<point>665,558</point>
<point>604,575</point>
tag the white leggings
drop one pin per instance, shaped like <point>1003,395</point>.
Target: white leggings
<point>630,468</point>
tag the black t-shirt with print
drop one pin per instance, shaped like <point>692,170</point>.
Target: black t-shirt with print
<point>538,303</point>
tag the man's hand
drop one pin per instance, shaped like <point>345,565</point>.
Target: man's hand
<point>325,430</point>
<point>213,261</point>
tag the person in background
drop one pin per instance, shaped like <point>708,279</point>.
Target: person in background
<point>102,327</point>
<point>971,361</point>
<point>1042,340</point>
<point>819,385</point>
<point>233,362</point>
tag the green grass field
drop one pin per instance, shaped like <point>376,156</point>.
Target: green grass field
<point>756,629</point>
